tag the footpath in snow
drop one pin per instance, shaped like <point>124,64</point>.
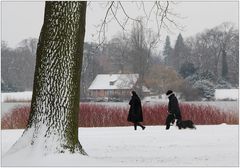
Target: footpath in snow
<point>209,145</point>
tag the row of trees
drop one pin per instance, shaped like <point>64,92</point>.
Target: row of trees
<point>206,61</point>
<point>195,66</point>
<point>18,65</point>
<point>210,59</point>
<point>125,53</point>
<point>214,50</point>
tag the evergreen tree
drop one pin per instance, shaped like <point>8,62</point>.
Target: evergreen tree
<point>179,53</point>
<point>201,75</point>
<point>167,51</point>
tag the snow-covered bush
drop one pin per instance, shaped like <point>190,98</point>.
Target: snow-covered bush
<point>187,69</point>
<point>223,84</point>
<point>205,88</point>
<point>205,75</point>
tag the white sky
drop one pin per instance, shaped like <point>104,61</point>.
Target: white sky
<point>21,20</point>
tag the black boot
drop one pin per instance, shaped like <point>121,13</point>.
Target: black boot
<point>167,126</point>
<point>141,126</point>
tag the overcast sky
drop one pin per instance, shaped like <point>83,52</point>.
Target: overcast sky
<point>21,20</point>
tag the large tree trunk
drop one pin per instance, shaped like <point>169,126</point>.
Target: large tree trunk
<point>53,121</point>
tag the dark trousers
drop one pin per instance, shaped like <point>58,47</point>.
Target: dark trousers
<point>138,124</point>
<point>170,119</point>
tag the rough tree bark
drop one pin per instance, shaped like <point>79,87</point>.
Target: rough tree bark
<point>53,121</point>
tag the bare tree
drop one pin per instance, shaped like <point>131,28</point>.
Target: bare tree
<point>158,11</point>
<point>143,41</point>
<point>30,44</point>
<point>90,67</point>
<point>161,78</point>
<point>18,64</point>
<point>119,52</point>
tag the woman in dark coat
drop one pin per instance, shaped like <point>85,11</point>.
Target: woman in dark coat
<point>135,112</point>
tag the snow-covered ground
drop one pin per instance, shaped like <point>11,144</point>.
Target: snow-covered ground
<point>221,94</point>
<point>210,145</point>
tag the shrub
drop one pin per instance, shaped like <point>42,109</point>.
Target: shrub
<point>189,93</point>
<point>95,115</point>
<point>205,115</point>
<point>17,119</point>
<point>187,69</point>
<point>206,89</point>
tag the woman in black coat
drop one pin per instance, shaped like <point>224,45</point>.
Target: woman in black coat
<point>135,112</point>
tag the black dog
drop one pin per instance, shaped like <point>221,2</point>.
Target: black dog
<point>185,124</point>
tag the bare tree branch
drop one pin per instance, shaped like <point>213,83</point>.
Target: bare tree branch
<point>114,14</point>
<point>163,16</point>
<point>103,26</point>
<point>127,14</point>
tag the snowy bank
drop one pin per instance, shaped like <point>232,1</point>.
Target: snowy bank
<point>224,94</point>
<point>122,146</point>
<point>17,96</point>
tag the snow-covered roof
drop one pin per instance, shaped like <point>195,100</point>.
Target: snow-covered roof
<point>145,89</point>
<point>114,81</point>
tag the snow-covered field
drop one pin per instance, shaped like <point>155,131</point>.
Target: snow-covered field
<point>209,145</point>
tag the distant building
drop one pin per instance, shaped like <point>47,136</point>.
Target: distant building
<point>113,86</point>
<point>226,94</point>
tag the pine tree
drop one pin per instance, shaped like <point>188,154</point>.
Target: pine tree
<point>53,122</point>
<point>167,51</point>
<point>179,53</point>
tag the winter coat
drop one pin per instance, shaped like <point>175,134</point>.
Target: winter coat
<point>173,107</point>
<point>135,111</point>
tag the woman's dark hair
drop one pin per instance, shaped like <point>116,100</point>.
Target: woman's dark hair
<point>134,93</point>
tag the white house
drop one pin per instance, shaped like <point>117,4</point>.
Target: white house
<point>113,85</point>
